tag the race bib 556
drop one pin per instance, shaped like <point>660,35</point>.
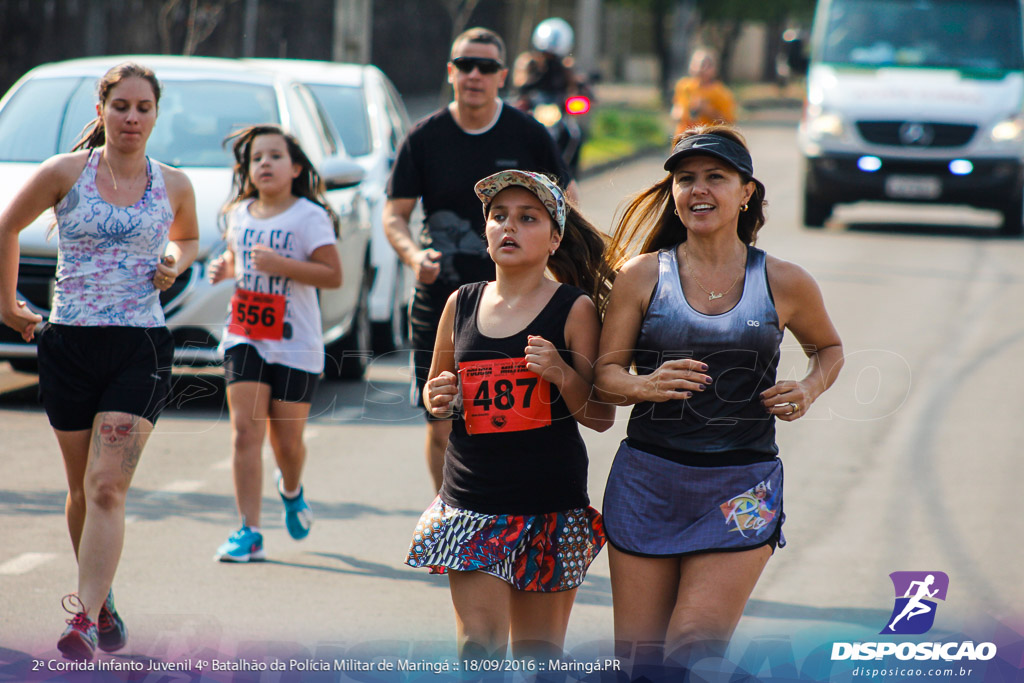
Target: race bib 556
<point>256,315</point>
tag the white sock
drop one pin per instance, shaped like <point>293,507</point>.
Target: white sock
<point>289,494</point>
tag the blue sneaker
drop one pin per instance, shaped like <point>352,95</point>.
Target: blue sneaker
<point>298,518</point>
<point>112,633</point>
<point>245,545</point>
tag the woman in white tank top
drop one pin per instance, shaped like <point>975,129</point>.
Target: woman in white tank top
<point>127,228</point>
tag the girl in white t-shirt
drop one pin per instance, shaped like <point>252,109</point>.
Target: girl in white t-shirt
<point>280,248</point>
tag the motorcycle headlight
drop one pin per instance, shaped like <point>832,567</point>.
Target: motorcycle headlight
<point>1010,130</point>
<point>548,114</point>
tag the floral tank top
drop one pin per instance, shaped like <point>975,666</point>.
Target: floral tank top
<point>107,254</point>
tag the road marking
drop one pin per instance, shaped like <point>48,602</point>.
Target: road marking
<point>177,487</point>
<point>24,563</point>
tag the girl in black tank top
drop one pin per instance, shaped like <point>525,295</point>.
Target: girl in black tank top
<point>513,368</point>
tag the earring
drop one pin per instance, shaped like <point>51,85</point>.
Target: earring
<point>675,211</point>
<point>744,207</point>
<point>552,252</point>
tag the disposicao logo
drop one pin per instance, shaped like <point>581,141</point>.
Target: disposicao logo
<point>916,593</point>
<point>913,613</point>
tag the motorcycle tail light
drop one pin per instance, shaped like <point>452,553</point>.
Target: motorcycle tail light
<point>577,104</point>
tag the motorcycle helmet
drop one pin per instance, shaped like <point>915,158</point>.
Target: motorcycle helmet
<point>553,35</point>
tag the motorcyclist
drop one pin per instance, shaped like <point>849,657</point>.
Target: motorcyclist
<point>548,67</point>
<point>545,75</point>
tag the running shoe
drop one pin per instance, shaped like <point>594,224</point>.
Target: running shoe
<point>298,518</point>
<point>78,642</point>
<point>113,635</point>
<point>245,545</point>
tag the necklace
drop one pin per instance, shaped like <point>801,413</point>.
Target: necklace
<point>711,294</point>
<point>113,177</point>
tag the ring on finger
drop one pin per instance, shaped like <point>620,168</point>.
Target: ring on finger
<point>793,407</point>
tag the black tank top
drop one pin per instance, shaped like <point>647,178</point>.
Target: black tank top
<point>516,461</point>
<point>724,424</point>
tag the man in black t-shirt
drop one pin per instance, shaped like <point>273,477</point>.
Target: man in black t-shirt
<point>440,161</point>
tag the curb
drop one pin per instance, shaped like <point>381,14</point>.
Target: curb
<point>606,166</point>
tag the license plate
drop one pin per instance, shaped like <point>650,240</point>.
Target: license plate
<point>913,187</point>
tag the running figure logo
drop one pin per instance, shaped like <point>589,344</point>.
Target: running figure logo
<point>914,611</point>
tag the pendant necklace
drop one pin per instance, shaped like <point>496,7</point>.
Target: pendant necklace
<point>712,295</point>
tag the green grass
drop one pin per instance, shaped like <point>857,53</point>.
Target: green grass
<point>617,132</point>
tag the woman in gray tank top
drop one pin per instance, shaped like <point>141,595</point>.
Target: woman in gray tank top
<point>693,504</point>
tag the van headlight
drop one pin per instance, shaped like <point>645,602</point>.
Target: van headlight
<point>824,124</point>
<point>1010,130</point>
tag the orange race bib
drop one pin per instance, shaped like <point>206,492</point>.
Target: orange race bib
<point>257,316</point>
<point>501,395</point>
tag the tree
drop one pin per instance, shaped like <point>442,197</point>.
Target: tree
<point>200,19</point>
<point>722,21</point>
<point>719,25</point>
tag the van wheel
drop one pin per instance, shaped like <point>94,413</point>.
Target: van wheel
<point>816,212</point>
<point>349,357</point>
<point>1013,219</point>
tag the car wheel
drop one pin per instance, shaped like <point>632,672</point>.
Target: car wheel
<point>1013,218</point>
<point>816,212</point>
<point>349,357</point>
<point>25,364</point>
<point>390,335</point>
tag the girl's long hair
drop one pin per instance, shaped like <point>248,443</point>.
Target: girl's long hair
<point>649,222</point>
<point>94,133</point>
<point>580,258</point>
<point>307,184</point>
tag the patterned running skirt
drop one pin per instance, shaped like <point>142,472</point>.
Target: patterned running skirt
<point>654,507</point>
<point>544,553</point>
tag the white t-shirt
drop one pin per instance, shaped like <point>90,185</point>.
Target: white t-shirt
<point>296,233</point>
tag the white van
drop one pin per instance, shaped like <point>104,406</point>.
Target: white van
<point>915,101</point>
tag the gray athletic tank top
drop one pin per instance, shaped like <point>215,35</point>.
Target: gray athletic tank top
<point>741,350</point>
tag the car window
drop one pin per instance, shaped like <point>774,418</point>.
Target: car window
<point>396,112</point>
<point>32,120</point>
<point>196,116</point>
<point>301,126</point>
<point>317,119</point>
<point>346,107</point>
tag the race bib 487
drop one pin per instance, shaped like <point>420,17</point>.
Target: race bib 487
<point>503,396</point>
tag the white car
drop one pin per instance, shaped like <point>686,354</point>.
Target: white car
<point>203,100</point>
<point>371,119</point>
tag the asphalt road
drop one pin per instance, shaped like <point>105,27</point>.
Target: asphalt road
<point>910,463</point>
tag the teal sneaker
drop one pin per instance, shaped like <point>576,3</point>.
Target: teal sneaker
<point>298,518</point>
<point>245,545</point>
<point>112,633</point>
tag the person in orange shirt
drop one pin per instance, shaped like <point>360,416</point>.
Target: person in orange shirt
<point>700,98</point>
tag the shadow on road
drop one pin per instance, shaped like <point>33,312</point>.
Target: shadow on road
<point>152,505</point>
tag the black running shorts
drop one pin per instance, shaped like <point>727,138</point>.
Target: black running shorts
<point>243,363</point>
<point>84,371</point>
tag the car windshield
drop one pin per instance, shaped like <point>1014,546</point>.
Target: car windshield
<point>195,117</point>
<point>982,35</point>
<point>347,109</point>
